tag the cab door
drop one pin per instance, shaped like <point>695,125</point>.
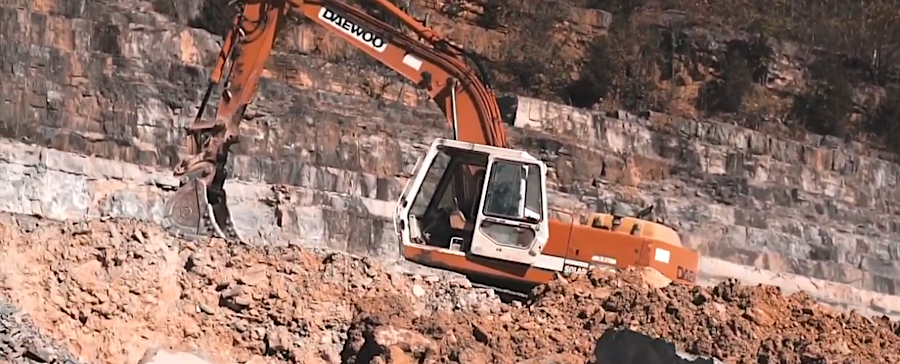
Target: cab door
<point>402,205</point>
<point>512,222</point>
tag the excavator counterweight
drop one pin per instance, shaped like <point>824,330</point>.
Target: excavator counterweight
<point>474,205</point>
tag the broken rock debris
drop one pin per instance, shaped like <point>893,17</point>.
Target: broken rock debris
<point>109,291</point>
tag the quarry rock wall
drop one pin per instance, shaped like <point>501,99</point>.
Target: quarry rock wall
<point>114,82</point>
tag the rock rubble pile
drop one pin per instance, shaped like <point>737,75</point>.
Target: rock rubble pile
<point>109,290</point>
<point>21,341</point>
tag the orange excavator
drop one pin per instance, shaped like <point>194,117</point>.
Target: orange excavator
<point>474,205</point>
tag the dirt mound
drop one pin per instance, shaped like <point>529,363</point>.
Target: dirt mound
<point>737,324</point>
<point>111,290</point>
<point>733,322</point>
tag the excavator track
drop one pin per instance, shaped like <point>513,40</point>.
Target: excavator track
<point>505,294</point>
<point>189,214</point>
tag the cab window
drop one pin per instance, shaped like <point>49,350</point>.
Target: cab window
<point>513,191</point>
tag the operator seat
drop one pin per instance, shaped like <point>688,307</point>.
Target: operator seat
<point>466,222</point>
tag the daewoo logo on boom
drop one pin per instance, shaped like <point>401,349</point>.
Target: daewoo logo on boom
<point>353,30</point>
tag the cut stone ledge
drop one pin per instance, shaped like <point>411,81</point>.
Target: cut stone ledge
<point>64,186</point>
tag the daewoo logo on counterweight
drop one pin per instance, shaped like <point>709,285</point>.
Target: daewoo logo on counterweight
<point>353,30</point>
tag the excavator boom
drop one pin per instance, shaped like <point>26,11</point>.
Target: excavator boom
<point>474,205</point>
<point>433,64</point>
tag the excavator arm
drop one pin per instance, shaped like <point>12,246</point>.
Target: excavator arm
<point>431,63</point>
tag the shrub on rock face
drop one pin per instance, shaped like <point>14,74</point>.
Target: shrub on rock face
<point>597,76</point>
<point>623,67</point>
<point>215,17</point>
<point>745,62</point>
<point>727,94</point>
<point>619,8</point>
<point>497,14</point>
<point>166,7</point>
<point>885,122</point>
<point>824,108</point>
<point>530,60</point>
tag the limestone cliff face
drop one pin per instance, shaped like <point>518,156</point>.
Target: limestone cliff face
<point>113,79</point>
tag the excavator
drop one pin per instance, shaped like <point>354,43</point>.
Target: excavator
<point>474,205</point>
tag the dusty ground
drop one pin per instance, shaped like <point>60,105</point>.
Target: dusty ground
<point>110,290</point>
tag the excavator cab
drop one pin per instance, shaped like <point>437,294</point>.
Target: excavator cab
<point>475,200</point>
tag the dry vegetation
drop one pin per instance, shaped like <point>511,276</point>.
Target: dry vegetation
<point>654,56</point>
<point>786,65</point>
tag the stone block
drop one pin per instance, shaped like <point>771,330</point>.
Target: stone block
<point>882,266</point>
<point>253,219</point>
<point>309,224</point>
<point>64,162</point>
<point>16,189</point>
<point>883,284</point>
<point>128,201</point>
<point>61,195</point>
